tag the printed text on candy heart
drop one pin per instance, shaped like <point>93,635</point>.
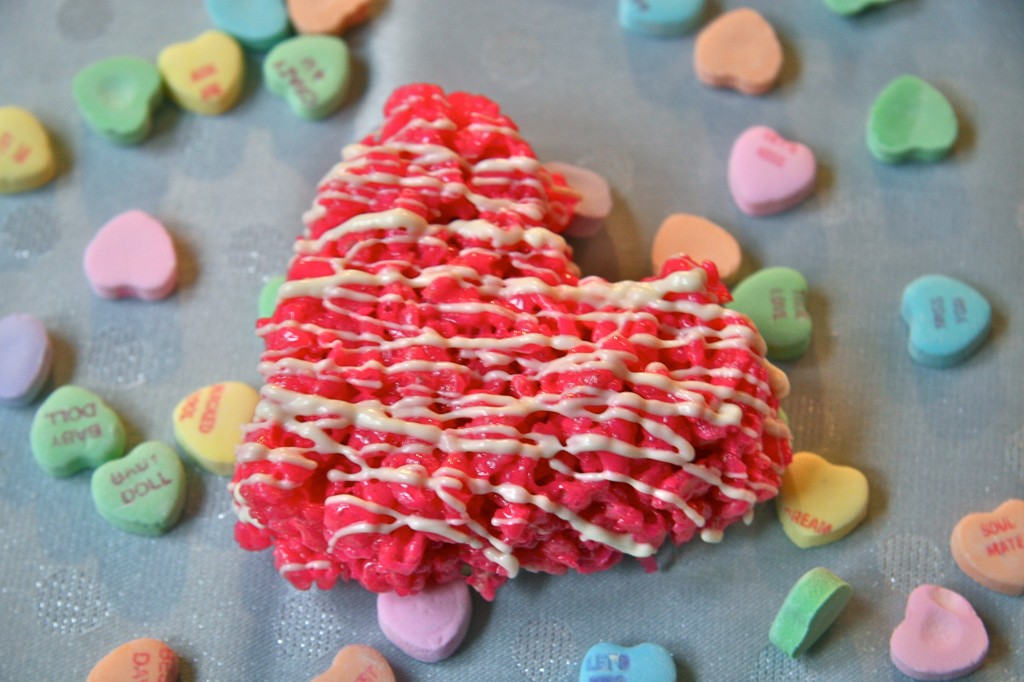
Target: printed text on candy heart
<point>1005,545</point>
<point>140,665</point>
<point>997,527</point>
<point>208,421</point>
<point>607,663</point>
<point>296,80</point>
<point>775,149</point>
<point>210,90</point>
<point>778,297</point>
<point>141,488</point>
<point>20,153</point>
<point>74,414</point>
<point>805,520</point>
<point>939,315</point>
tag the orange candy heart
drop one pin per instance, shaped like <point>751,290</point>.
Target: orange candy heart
<point>329,17</point>
<point>700,239</point>
<point>140,659</point>
<point>357,663</point>
<point>739,50</point>
<point>989,547</point>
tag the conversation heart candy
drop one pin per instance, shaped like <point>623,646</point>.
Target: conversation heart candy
<point>117,97</point>
<point>74,429</point>
<point>989,547</point>
<point>26,357</point>
<point>810,608</point>
<point>911,121</point>
<point>641,663</point>
<point>204,75</point>
<point>145,660</point>
<point>268,295</point>
<point>357,663</point>
<point>208,424</point>
<point>310,72</point>
<point>256,24</point>
<point>768,173</point>
<point>26,157</point>
<point>940,638</point>
<point>143,492</point>
<point>332,17</point>
<point>429,625</point>
<point>774,299</point>
<point>853,6</point>
<point>595,202</point>
<point>660,17</point>
<point>948,320</point>
<point>701,240</point>
<point>132,255</point>
<point>820,502</point>
<point>739,50</point>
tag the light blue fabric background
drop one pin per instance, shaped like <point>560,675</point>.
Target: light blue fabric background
<point>935,444</point>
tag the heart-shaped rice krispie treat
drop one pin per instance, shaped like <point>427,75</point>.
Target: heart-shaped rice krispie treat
<point>446,399</point>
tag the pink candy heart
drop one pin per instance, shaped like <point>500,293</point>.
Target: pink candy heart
<point>595,198</point>
<point>132,255</point>
<point>941,637</point>
<point>428,626</point>
<point>768,173</point>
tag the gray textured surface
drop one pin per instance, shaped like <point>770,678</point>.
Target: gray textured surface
<point>935,444</point>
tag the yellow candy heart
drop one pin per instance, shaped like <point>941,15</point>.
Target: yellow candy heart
<point>26,158</point>
<point>820,502</point>
<point>206,74</point>
<point>208,424</point>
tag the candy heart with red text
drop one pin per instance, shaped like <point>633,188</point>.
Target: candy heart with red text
<point>768,173</point>
<point>147,660</point>
<point>143,492</point>
<point>989,547</point>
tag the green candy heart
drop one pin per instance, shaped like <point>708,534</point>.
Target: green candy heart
<point>911,120</point>
<point>811,606</point>
<point>142,493</point>
<point>311,72</point>
<point>268,295</point>
<point>74,430</point>
<point>848,7</point>
<point>117,97</point>
<point>774,299</point>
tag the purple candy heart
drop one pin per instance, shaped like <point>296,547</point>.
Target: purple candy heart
<point>26,357</point>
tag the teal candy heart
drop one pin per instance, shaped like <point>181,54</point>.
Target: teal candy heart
<point>911,120</point>
<point>775,300</point>
<point>257,24</point>
<point>73,430</point>
<point>143,492</point>
<point>311,72</point>
<point>660,17</point>
<point>853,6</point>
<point>117,97</point>
<point>607,662</point>
<point>948,320</point>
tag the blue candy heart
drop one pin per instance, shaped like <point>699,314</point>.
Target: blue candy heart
<point>257,24</point>
<point>660,17</point>
<point>607,662</point>
<point>948,320</point>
